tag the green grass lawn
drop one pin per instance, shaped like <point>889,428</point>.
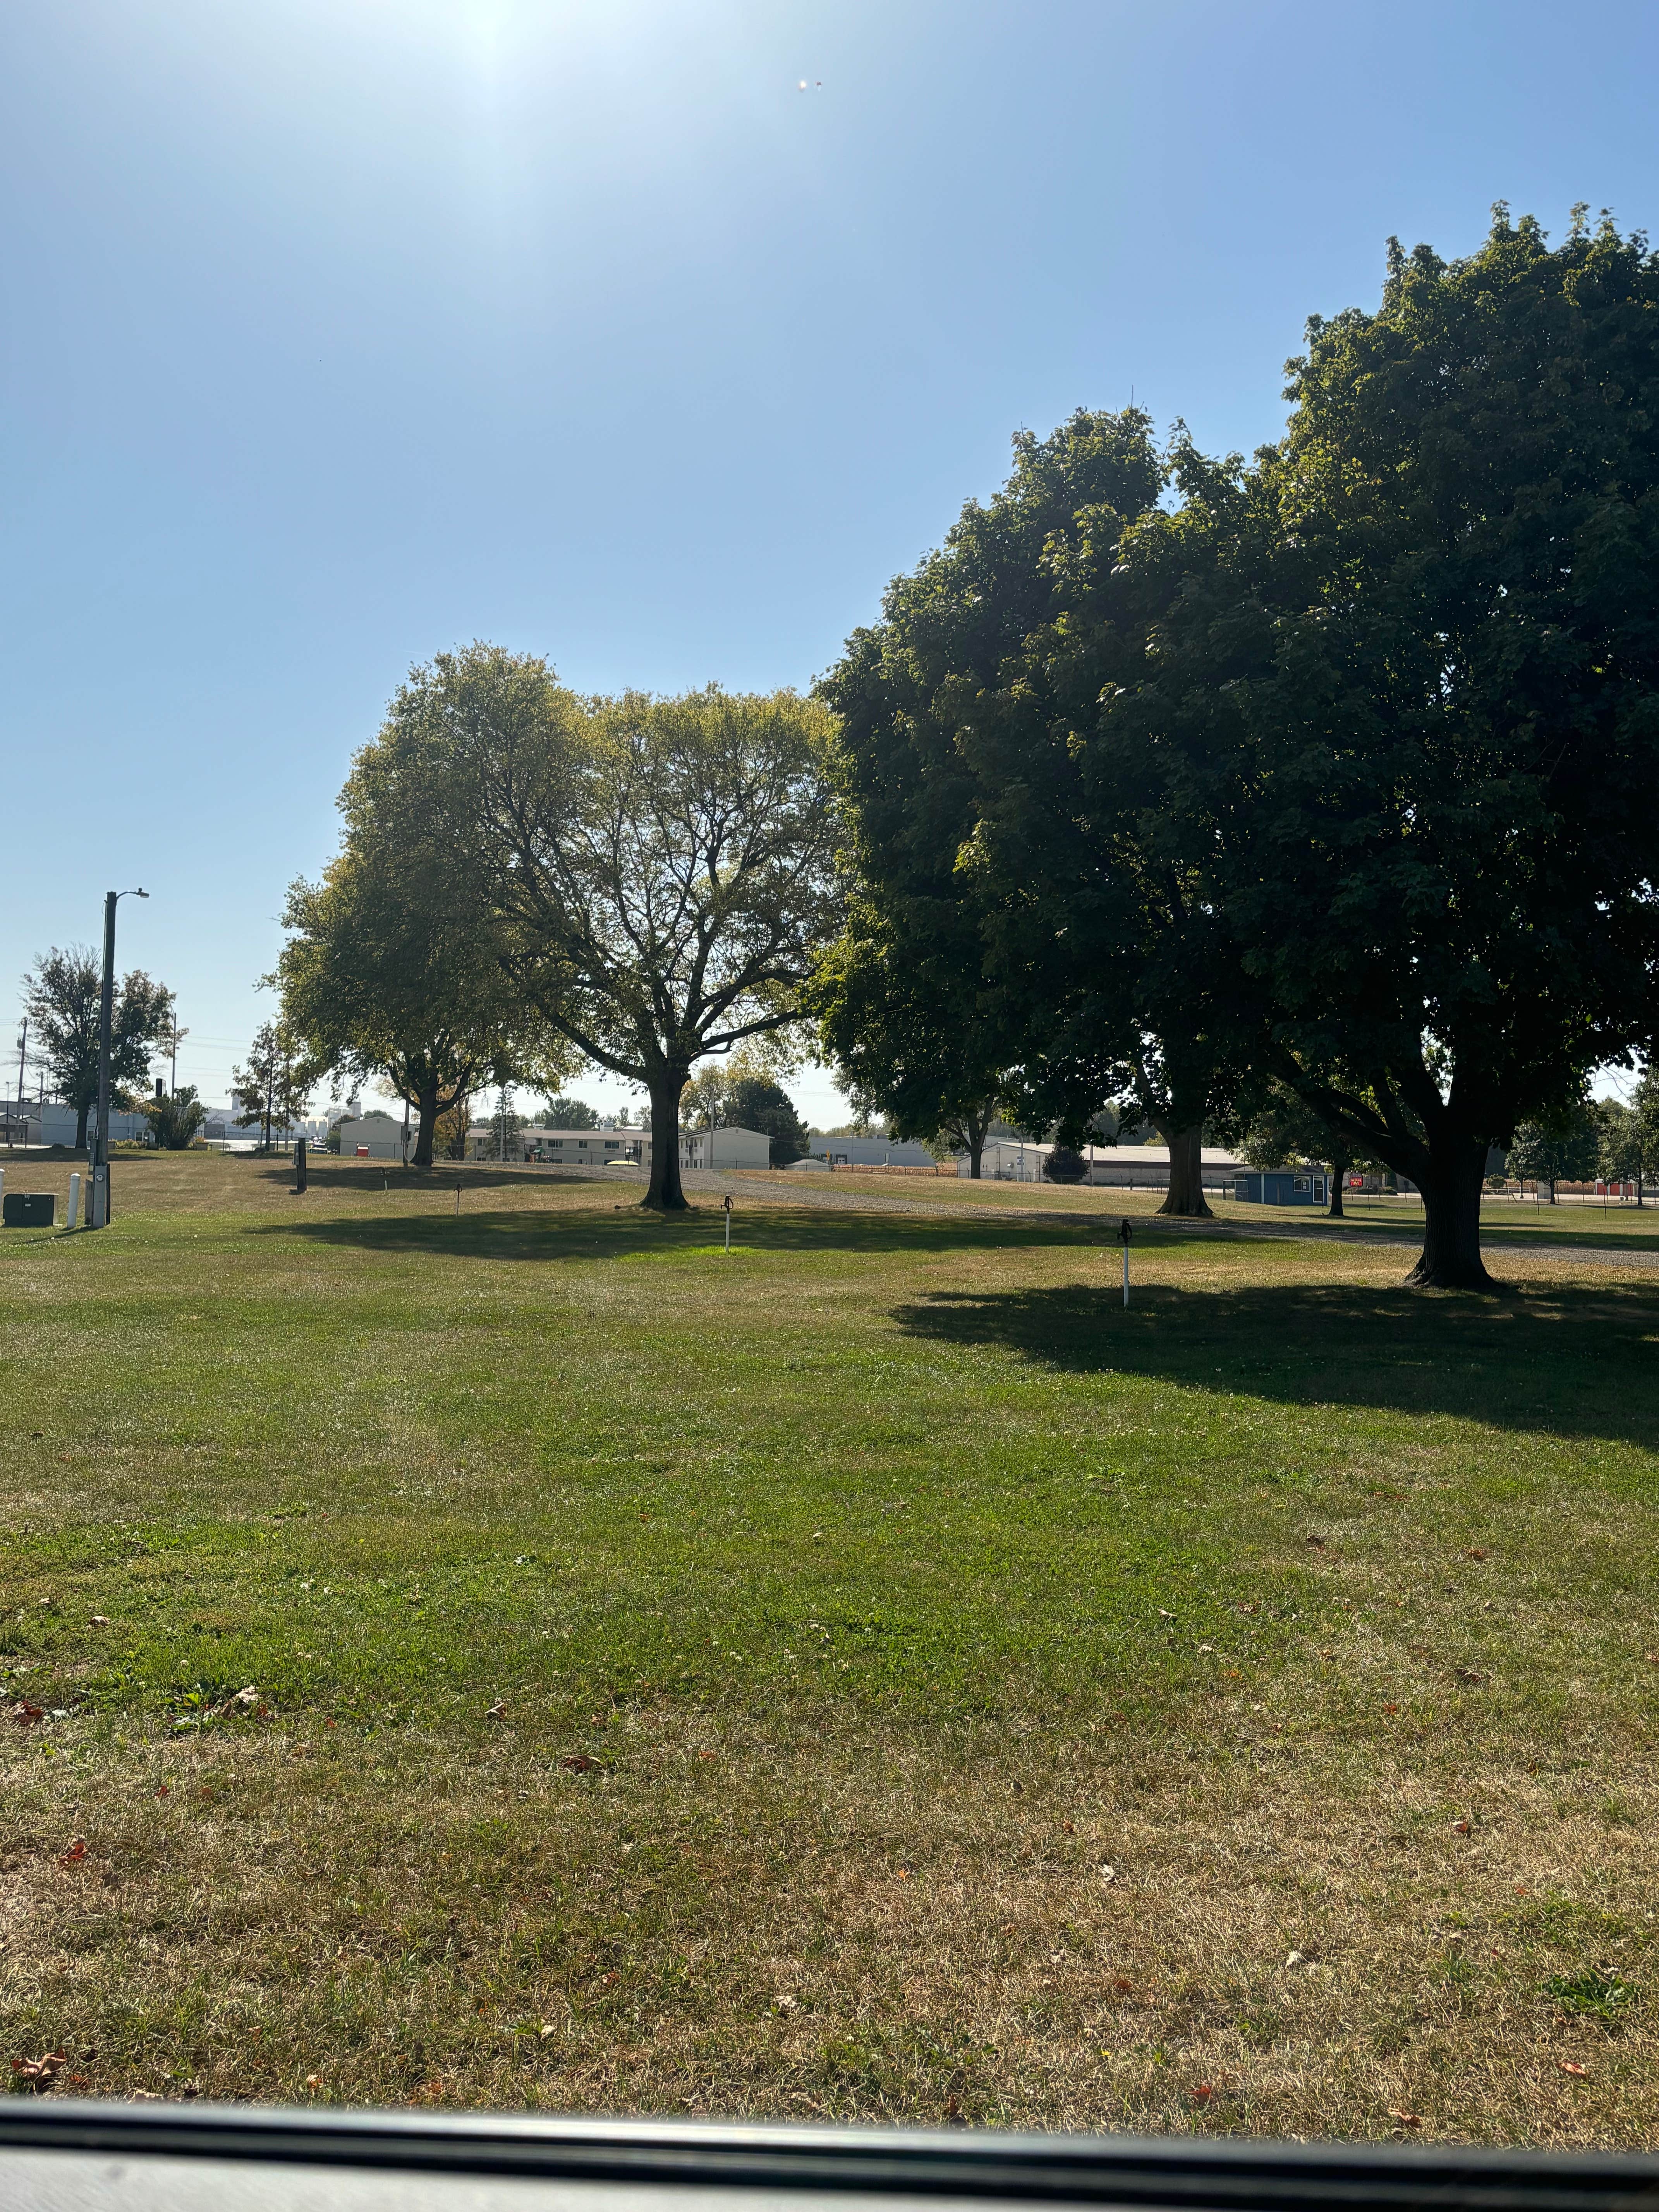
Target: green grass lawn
<point>684,1682</point>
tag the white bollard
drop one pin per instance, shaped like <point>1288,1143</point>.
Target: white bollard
<point>74,1219</point>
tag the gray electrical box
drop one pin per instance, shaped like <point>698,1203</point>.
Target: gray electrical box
<point>29,1209</point>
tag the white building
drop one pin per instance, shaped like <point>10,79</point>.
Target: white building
<point>719,1148</point>
<point>1127,1167</point>
<point>868,1151</point>
<point>557,1148</point>
<point>375,1136</point>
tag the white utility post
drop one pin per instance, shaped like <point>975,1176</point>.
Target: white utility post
<point>74,1221</point>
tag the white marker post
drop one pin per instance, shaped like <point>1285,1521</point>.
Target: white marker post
<point>728,1221</point>
<point>74,1219</point>
<point>1123,1235</point>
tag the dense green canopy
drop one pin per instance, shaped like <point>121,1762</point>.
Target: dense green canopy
<point>1337,777</point>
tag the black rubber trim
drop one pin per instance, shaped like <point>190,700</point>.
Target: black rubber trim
<point>1175,2172</point>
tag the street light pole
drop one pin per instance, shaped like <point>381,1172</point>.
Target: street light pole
<point>99,1210</point>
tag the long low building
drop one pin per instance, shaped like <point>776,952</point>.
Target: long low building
<point>1126,1167</point>
<point>557,1148</point>
<point>867,1152</point>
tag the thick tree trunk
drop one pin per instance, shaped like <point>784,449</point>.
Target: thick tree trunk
<point>83,1115</point>
<point>426,1106</point>
<point>976,1154</point>
<point>1552,1191</point>
<point>665,1193</point>
<point>1451,1185</point>
<point>1185,1193</point>
<point>1334,1209</point>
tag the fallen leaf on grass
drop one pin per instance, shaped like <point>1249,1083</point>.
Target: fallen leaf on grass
<point>1568,2067</point>
<point>1470,1674</point>
<point>1474,1552</point>
<point>498,1710</point>
<point>1204,2092</point>
<point>75,1854</point>
<point>26,1715</point>
<point>313,2081</point>
<point>164,1789</point>
<point>1109,1874</point>
<point>1318,1542</point>
<point>99,1620</point>
<point>1405,2119</point>
<point>578,1762</point>
<point>1391,1709</point>
<point>40,2070</point>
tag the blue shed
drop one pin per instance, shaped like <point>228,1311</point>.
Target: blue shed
<point>1280,1187</point>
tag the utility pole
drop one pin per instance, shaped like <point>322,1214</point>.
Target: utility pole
<point>100,1206</point>
<point>22,1057</point>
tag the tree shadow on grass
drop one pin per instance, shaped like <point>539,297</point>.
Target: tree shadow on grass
<point>1565,1362</point>
<point>629,1233</point>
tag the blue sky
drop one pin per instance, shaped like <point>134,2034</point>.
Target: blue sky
<point>338,332</point>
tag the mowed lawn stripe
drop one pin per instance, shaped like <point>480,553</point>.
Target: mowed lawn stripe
<point>911,1490</point>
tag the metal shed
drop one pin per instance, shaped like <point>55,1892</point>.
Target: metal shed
<point>1280,1187</point>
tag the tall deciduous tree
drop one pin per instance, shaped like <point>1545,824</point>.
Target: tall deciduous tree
<point>61,994</point>
<point>661,869</point>
<point>753,1101</point>
<point>1621,1152</point>
<point>1006,931</point>
<point>273,1090</point>
<point>1564,1149</point>
<point>393,969</point>
<point>1409,700</point>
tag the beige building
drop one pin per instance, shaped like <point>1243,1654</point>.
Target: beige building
<point>557,1148</point>
<point>719,1148</point>
<point>373,1137</point>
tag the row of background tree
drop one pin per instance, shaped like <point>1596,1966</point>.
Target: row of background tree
<point>1195,787</point>
<point>1325,782</point>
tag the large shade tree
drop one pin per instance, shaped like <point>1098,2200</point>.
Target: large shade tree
<point>1408,698</point>
<point>660,870</point>
<point>393,969</point>
<point>62,995</point>
<point>1006,932</point>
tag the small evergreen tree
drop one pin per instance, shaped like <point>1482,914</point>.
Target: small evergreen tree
<point>175,1120</point>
